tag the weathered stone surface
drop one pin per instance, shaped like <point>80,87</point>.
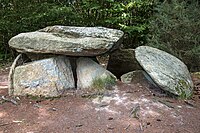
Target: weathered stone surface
<point>122,61</point>
<point>138,76</point>
<point>67,40</point>
<point>168,72</point>
<point>93,76</point>
<point>133,76</point>
<point>48,77</point>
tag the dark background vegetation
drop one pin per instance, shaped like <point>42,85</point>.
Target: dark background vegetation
<point>171,25</point>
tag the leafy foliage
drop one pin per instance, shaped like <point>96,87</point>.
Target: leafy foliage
<point>131,16</point>
<point>22,16</point>
<point>103,83</point>
<point>175,28</point>
<point>18,16</point>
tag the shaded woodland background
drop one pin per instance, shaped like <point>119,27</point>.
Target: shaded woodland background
<point>171,25</point>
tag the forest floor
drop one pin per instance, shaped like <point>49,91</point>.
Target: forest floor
<point>128,108</point>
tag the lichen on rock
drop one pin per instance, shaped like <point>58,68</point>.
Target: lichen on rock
<point>183,89</point>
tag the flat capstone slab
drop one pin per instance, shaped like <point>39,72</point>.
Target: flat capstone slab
<point>68,40</point>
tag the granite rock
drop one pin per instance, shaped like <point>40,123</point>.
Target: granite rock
<point>47,77</point>
<point>92,75</point>
<point>167,71</point>
<point>68,40</point>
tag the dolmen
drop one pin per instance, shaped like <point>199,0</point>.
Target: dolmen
<point>71,63</point>
<point>64,57</point>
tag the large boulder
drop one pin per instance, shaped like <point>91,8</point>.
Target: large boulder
<point>168,72</point>
<point>68,40</point>
<point>122,61</point>
<point>91,75</point>
<point>47,77</point>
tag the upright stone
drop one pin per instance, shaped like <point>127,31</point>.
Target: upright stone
<point>68,40</point>
<point>91,75</point>
<point>122,61</point>
<point>168,72</point>
<point>47,77</point>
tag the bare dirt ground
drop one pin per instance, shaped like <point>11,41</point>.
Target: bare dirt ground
<point>128,108</point>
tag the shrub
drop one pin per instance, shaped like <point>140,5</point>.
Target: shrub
<point>175,28</point>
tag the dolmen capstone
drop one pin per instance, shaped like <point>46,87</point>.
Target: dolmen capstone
<point>67,40</point>
<point>72,51</point>
<point>167,71</point>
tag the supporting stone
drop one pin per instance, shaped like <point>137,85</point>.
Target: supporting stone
<point>47,77</point>
<point>123,61</point>
<point>92,75</point>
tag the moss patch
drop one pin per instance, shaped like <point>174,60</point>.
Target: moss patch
<point>103,83</point>
<point>183,89</point>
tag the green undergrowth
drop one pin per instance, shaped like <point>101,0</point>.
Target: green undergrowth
<point>175,28</point>
<point>184,90</point>
<point>103,83</point>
